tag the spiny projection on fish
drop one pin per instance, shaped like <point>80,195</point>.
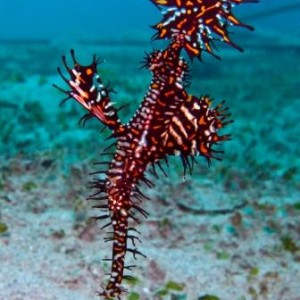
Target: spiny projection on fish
<point>169,121</point>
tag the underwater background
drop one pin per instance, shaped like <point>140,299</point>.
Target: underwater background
<point>230,231</point>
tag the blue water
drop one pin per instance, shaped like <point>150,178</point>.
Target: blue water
<point>71,19</point>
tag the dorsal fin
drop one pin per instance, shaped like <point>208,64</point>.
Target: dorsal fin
<point>196,24</point>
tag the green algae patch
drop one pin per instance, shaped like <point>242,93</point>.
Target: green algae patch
<point>29,186</point>
<point>209,297</point>
<point>289,244</point>
<point>290,174</point>
<point>297,206</point>
<point>171,286</point>
<point>134,296</point>
<point>3,228</point>
<point>132,280</point>
<point>254,271</point>
<point>223,255</point>
<point>174,286</point>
